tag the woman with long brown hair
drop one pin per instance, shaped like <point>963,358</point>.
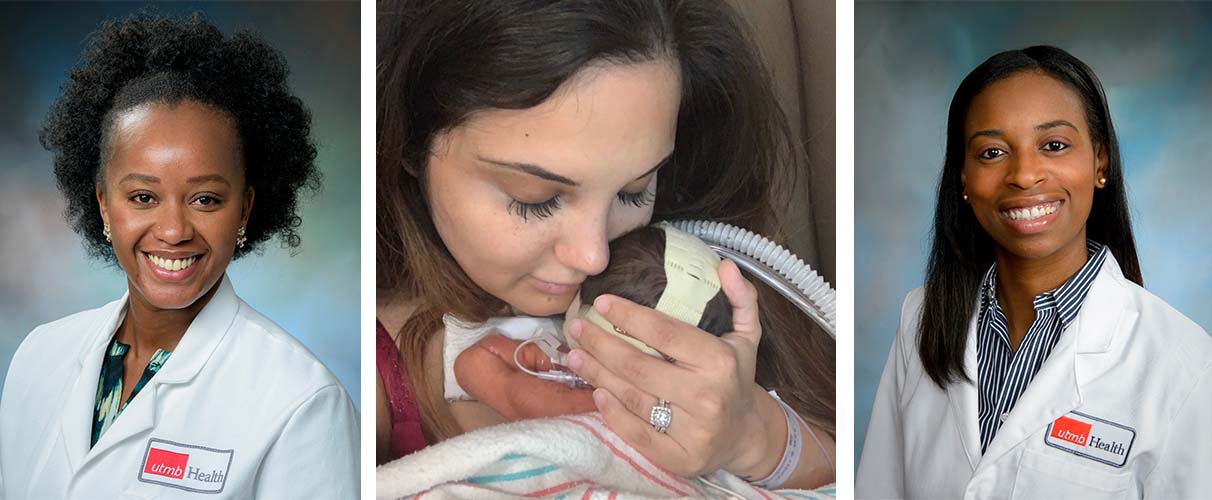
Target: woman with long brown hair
<point>515,140</point>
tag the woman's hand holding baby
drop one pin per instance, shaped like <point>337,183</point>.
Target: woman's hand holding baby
<point>721,419</point>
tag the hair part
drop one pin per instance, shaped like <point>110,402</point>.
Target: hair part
<point>961,251</point>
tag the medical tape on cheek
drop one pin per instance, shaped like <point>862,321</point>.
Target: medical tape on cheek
<point>588,313</point>
<point>691,281</point>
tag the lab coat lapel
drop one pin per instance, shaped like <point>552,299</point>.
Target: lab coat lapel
<point>202,337</point>
<point>191,353</point>
<point>76,422</point>
<point>962,395</point>
<point>1056,388</point>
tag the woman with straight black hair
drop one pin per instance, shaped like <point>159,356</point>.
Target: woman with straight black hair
<point>1033,364</point>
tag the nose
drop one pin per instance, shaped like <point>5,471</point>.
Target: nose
<point>173,225</point>
<point>585,247</point>
<point>1025,171</point>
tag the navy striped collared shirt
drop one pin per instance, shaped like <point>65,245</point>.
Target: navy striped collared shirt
<point>1002,375</point>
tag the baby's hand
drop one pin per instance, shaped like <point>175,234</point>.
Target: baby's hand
<point>487,372</point>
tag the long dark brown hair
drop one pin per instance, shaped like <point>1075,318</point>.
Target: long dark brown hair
<point>962,251</point>
<point>441,60</point>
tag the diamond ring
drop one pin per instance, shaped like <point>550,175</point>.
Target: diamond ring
<point>661,416</point>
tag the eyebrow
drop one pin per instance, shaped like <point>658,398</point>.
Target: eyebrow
<point>1042,126</point>
<point>140,177</point>
<point>150,179</point>
<point>208,178</point>
<point>543,173</point>
<point>1054,124</point>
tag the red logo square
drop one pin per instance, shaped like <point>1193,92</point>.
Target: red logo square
<point>1073,431</point>
<point>165,463</point>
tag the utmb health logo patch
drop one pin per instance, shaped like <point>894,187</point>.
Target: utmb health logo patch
<point>184,466</point>
<point>1091,437</point>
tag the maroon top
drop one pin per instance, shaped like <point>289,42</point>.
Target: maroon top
<point>406,436</point>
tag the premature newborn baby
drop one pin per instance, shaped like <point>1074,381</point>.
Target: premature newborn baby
<point>655,266</point>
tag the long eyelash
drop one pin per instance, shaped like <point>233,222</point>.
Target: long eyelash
<point>638,199</point>
<point>539,210</point>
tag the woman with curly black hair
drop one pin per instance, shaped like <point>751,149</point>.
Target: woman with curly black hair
<point>165,135</point>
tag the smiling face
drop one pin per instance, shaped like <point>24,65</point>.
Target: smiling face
<point>174,196</point>
<point>527,200</point>
<point>1030,166</point>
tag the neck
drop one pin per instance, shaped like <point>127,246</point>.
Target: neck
<point>1020,280</point>
<point>147,328</point>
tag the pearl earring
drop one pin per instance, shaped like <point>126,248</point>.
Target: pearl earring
<point>240,239</point>
<point>109,235</point>
<point>965,196</point>
<point>1102,181</point>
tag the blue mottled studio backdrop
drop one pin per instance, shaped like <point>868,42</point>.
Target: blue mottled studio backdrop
<point>44,273</point>
<point>1154,62</point>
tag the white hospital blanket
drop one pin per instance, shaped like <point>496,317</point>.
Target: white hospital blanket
<point>572,457</point>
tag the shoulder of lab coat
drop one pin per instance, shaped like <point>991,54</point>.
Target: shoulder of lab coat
<point>881,473</point>
<point>1184,355</point>
<point>66,340</point>
<point>315,454</point>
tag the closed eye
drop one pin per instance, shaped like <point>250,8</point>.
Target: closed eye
<point>539,210</point>
<point>640,199</point>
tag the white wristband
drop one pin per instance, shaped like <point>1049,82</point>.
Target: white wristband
<point>791,454</point>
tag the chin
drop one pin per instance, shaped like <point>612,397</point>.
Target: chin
<point>171,297</point>
<point>1032,248</point>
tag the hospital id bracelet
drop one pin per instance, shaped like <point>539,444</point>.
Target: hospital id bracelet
<point>791,453</point>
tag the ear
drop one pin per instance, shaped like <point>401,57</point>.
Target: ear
<point>1100,165</point>
<point>101,202</point>
<point>249,194</point>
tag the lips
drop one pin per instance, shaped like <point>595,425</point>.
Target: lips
<point>1032,212</point>
<point>554,288</point>
<point>1029,217</point>
<point>172,267</point>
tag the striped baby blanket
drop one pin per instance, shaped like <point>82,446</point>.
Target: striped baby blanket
<point>570,458</point>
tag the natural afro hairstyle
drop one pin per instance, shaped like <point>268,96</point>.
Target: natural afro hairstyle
<point>148,58</point>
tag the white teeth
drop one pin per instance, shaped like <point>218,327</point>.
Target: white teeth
<point>1031,213</point>
<point>172,264</point>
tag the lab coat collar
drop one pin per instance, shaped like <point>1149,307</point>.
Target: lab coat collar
<point>1057,387</point>
<point>191,354</point>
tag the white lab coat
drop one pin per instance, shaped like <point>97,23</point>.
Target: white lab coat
<point>1127,358</point>
<point>258,414</point>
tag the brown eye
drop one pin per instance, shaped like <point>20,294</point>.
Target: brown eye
<point>207,201</point>
<point>991,153</point>
<point>142,198</point>
<point>1055,146</point>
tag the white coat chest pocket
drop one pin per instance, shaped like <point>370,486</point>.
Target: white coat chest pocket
<point>1042,476</point>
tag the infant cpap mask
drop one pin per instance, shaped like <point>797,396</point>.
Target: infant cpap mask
<point>692,253</point>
